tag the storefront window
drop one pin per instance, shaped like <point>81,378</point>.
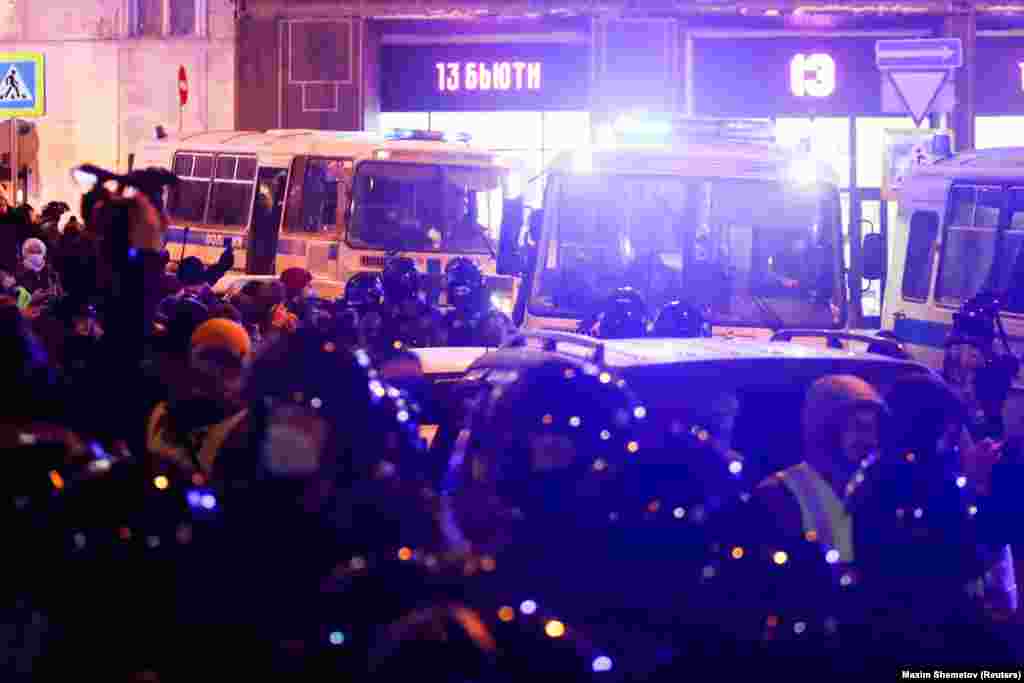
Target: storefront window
<point>493,129</point>
<point>532,161</point>
<point>564,130</point>
<point>998,131</point>
<point>871,146</point>
<point>829,138</point>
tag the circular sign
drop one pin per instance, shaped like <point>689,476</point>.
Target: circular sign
<point>182,86</point>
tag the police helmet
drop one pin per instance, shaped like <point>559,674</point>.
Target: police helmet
<point>333,491</point>
<point>678,319</point>
<point>364,289</point>
<point>400,279</point>
<point>623,316</point>
<point>537,439</point>
<point>977,326</point>
<point>464,282</point>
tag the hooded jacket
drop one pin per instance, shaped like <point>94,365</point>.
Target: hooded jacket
<point>802,499</point>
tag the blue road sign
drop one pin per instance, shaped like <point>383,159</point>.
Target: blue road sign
<point>920,53</point>
<point>22,85</point>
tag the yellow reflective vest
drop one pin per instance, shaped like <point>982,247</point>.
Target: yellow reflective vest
<point>204,444</point>
<point>824,516</point>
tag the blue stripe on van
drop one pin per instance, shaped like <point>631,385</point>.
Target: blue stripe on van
<point>177,236</point>
<point>922,332</point>
<point>291,247</point>
<point>285,246</point>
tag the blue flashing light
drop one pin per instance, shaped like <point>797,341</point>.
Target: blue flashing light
<point>662,129</point>
<point>464,138</point>
<point>601,664</point>
<point>194,498</point>
<point>428,135</point>
<point>336,638</point>
<point>528,607</point>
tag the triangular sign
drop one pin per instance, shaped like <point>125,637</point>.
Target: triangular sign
<point>918,90</point>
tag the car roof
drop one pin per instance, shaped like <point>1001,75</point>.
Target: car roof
<point>625,353</point>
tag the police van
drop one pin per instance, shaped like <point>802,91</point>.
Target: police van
<point>709,211</point>
<point>336,203</point>
<point>961,232</point>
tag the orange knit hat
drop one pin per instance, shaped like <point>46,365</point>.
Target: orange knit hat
<point>223,334</point>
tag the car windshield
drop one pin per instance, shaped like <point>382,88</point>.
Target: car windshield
<point>426,207</point>
<point>757,253</point>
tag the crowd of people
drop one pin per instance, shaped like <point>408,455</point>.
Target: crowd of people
<point>208,489</point>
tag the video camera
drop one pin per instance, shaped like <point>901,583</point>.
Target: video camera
<point>149,181</point>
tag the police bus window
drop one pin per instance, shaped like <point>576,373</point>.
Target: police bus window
<point>1011,253</point>
<point>917,268</point>
<point>319,205</point>
<point>232,191</point>
<point>470,218</point>
<point>969,247</point>
<point>187,201</point>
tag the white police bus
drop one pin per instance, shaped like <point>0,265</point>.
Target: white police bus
<point>706,210</point>
<point>961,232</point>
<point>336,203</point>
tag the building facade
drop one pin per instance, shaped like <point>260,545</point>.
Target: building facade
<point>379,65</point>
<point>111,70</point>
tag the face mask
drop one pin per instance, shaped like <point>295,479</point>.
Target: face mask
<point>35,262</point>
<point>290,452</point>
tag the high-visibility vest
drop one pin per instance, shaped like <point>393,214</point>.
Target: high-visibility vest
<point>209,441</point>
<point>824,516</point>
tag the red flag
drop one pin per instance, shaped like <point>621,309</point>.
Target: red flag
<point>182,86</point>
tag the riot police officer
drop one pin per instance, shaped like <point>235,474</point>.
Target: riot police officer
<point>623,316</point>
<point>975,365</point>
<point>679,319</point>
<point>406,320</point>
<point>364,295</point>
<point>473,320</point>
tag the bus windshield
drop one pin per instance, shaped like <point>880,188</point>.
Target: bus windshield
<point>426,207</point>
<point>754,252</point>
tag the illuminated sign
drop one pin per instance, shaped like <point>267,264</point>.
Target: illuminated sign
<point>812,75</point>
<point>797,76</point>
<point>481,77</point>
<point>452,76</point>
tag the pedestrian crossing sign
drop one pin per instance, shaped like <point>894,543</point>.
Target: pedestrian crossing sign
<point>22,86</point>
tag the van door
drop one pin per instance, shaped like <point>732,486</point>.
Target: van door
<point>317,213</point>
<point>268,205</point>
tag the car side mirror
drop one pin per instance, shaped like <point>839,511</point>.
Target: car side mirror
<point>873,256</point>
<point>510,259</point>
